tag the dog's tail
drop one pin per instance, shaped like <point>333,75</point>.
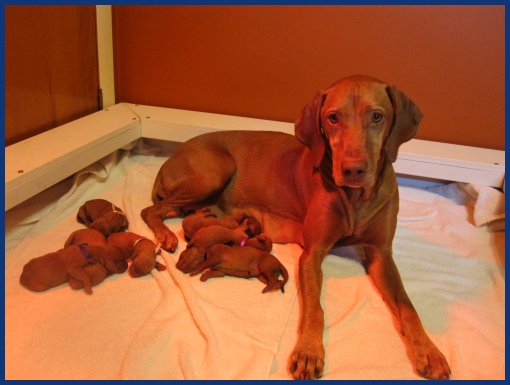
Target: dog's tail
<point>285,275</point>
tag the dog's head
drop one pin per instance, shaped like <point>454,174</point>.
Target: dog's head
<point>111,222</point>
<point>359,121</point>
<point>189,259</point>
<point>141,266</point>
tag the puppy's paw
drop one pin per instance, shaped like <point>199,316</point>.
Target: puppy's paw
<point>307,361</point>
<point>431,363</point>
<point>87,290</point>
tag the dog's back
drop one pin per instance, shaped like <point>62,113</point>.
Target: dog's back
<point>254,171</point>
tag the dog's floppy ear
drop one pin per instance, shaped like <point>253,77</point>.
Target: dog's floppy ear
<point>83,217</point>
<point>307,127</point>
<point>406,118</point>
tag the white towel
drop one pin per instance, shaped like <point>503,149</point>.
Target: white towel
<point>486,204</point>
<point>224,328</point>
<point>489,207</point>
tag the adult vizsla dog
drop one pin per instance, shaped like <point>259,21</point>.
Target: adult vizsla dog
<point>331,184</point>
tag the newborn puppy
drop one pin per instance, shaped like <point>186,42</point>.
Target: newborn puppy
<point>114,264</point>
<point>211,235</point>
<point>140,250</point>
<point>56,268</point>
<point>85,236</point>
<point>205,217</point>
<point>97,272</point>
<point>245,262</point>
<point>102,215</point>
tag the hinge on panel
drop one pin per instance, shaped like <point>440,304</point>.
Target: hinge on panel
<point>99,99</point>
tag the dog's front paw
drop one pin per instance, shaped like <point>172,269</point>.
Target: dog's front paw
<point>307,361</point>
<point>431,363</point>
<point>167,240</point>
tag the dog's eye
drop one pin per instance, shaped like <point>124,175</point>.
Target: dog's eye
<point>333,118</point>
<point>377,117</point>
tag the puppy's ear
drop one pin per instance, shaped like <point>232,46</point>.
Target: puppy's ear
<point>101,224</point>
<point>82,216</point>
<point>308,130</point>
<point>406,118</point>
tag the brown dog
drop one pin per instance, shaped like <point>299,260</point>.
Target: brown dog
<point>140,250</point>
<point>85,236</point>
<point>205,217</point>
<point>54,269</point>
<point>243,261</point>
<point>96,271</point>
<point>331,184</point>
<point>114,263</point>
<point>196,249</point>
<point>102,215</point>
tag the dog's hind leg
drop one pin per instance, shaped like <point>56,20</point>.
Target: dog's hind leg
<point>185,180</point>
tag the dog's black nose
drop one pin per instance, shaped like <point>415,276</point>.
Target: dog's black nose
<point>353,170</point>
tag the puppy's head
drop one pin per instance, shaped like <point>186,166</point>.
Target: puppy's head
<point>189,259</point>
<point>141,266</point>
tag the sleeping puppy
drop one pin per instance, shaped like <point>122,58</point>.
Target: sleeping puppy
<point>96,271</point>
<point>54,269</point>
<point>205,217</point>
<point>140,250</point>
<point>214,234</point>
<point>114,263</point>
<point>102,215</point>
<point>85,236</point>
<point>245,262</point>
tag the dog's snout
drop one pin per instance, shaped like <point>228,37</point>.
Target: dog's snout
<point>354,170</point>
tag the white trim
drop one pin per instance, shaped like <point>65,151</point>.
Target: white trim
<point>420,158</point>
<point>105,53</point>
<point>180,125</point>
<point>451,162</point>
<point>68,148</point>
<point>39,162</point>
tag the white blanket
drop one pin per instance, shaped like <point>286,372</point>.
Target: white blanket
<point>169,325</point>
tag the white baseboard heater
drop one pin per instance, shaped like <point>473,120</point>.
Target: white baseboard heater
<point>41,161</point>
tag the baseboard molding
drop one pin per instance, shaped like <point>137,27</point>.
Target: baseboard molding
<point>416,158</point>
<point>37,163</point>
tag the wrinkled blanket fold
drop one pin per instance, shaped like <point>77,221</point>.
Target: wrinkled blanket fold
<point>225,328</point>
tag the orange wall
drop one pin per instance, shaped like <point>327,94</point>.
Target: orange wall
<point>268,61</point>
